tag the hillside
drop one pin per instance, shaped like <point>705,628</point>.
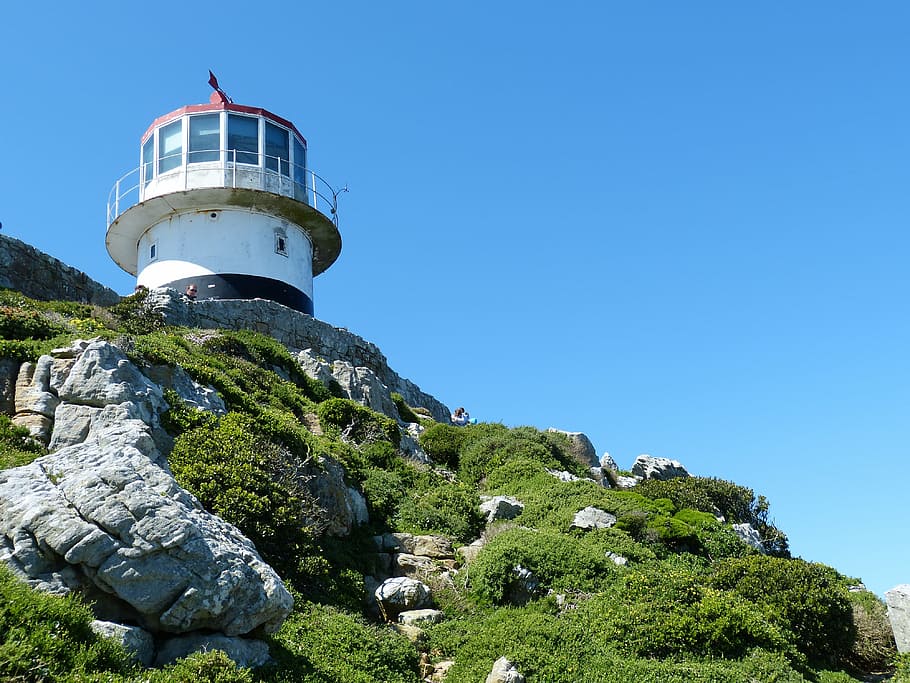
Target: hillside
<point>480,542</point>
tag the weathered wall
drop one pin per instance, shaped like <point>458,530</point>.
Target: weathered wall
<point>39,276</point>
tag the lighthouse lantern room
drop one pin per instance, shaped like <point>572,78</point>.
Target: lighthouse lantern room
<point>223,199</point>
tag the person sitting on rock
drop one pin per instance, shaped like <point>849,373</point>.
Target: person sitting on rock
<point>191,291</point>
<point>460,417</point>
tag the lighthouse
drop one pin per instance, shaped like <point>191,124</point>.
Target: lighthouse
<point>223,199</point>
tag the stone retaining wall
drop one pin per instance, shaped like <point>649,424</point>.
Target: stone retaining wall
<point>40,276</point>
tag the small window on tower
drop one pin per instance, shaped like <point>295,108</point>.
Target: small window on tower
<point>153,252</point>
<point>281,244</point>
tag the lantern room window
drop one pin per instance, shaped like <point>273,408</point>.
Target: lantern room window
<point>243,138</point>
<point>170,146</point>
<point>148,160</point>
<point>277,150</point>
<point>205,138</point>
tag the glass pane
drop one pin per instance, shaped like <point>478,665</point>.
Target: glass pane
<point>170,146</point>
<point>276,148</point>
<point>148,160</point>
<point>299,163</point>
<point>205,138</point>
<point>243,136</point>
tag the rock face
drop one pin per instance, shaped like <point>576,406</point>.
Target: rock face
<point>581,447</point>
<point>102,514</point>
<point>898,601</point>
<point>749,535</point>
<point>401,594</point>
<point>103,518</point>
<point>504,672</point>
<point>39,276</point>
<point>500,507</point>
<point>358,384</point>
<point>649,467</point>
<point>295,330</point>
<point>593,518</point>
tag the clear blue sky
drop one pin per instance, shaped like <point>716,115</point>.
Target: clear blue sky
<point>681,228</point>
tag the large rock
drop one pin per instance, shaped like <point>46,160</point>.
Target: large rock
<point>9,371</point>
<point>359,384</point>
<point>593,518</point>
<point>193,394</point>
<point>401,594</point>
<point>504,672</point>
<point>137,641</point>
<point>748,534</point>
<point>343,507</point>
<point>102,375</point>
<point>101,517</point>
<point>580,447</point>
<point>649,467</point>
<point>500,507</point>
<point>898,601</point>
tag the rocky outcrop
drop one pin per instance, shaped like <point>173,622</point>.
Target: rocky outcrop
<point>401,594</point>
<point>39,276</point>
<point>504,672</point>
<point>748,534</point>
<point>649,467</point>
<point>296,331</point>
<point>593,518</point>
<point>102,515</point>
<point>102,518</point>
<point>358,384</point>
<point>898,601</point>
<point>500,507</point>
<point>580,447</point>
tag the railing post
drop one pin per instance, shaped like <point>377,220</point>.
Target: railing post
<point>315,200</point>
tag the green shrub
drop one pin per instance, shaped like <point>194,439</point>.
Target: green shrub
<point>557,561</point>
<point>384,492</point>
<point>48,638</point>
<point>810,601</point>
<point>737,504</point>
<point>873,648</point>
<point>902,668</point>
<point>212,666</point>
<point>16,445</point>
<point>404,410</point>
<point>443,443</point>
<point>354,422</point>
<point>319,644</point>
<point>135,315</point>
<point>268,353</point>
<point>488,447</point>
<point>451,509</point>
<point>246,479</point>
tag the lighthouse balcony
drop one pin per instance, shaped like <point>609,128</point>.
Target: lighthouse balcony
<point>222,169</point>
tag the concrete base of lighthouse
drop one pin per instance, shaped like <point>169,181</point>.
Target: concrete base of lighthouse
<point>239,286</point>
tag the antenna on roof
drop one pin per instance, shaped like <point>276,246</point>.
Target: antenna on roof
<point>219,93</point>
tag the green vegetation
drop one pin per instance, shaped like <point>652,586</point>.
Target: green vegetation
<point>668,594</point>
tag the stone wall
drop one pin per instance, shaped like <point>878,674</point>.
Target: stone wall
<point>39,276</point>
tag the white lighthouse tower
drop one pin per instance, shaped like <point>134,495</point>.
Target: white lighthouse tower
<point>223,199</point>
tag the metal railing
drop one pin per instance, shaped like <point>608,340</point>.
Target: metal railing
<point>269,173</point>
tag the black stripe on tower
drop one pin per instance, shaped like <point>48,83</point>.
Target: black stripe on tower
<point>233,286</point>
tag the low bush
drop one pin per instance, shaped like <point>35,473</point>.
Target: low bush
<point>49,638</point>
<point>405,412</point>
<point>809,601</point>
<point>557,562</point>
<point>16,445</point>
<point>737,504</point>
<point>355,423</point>
<point>874,646</point>
<point>443,443</point>
<point>488,447</point>
<point>319,644</point>
<point>446,508</point>
<point>251,482</point>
